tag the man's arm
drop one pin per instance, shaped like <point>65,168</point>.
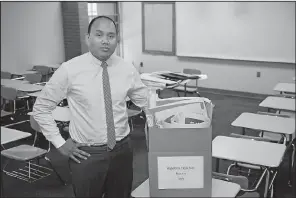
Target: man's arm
<point>53,92</point>
<point>138,93</point>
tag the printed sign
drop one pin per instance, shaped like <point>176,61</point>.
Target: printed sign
<point>180,172</point>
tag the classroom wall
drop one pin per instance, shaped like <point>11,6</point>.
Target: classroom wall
<point>31,33</point>
<point>222,74</point>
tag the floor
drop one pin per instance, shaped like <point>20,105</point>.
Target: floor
<point>227,108</point>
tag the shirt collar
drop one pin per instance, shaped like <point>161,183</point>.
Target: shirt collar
<point>98,62</point>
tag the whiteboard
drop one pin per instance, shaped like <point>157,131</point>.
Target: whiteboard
<point>255,31</point>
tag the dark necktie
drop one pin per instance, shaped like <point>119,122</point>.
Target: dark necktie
<point>111,139</point>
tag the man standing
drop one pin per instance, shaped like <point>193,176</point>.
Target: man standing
<point>96,85</point>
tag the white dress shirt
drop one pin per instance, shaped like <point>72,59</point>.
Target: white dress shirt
<point>80,81</point>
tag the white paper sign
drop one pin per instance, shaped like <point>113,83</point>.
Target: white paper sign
<point>180,172</point>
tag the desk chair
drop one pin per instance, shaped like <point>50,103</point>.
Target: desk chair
<point>35,126</point>
<point>5,75</point>
<point>191,71</point>
<point>12,95</point>
<point>45,72</point>
<point>242,181</point>
<point>3,112</point>
<point>33,78</point>
<point>250,167</point>
<point>278,137</point>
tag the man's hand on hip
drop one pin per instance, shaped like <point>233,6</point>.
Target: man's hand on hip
<point>71,149</point>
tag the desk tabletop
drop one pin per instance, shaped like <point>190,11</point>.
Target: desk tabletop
<point>20,73</point>
<point>268,123</point>
<point>220,188</point>
<point>29,87</point>
<point>285,87</point>
<point>248,151</point>
<point>11,135</point>
<point>12,83</point>
<point>279,103</point>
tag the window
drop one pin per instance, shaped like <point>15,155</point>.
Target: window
<point>92,11</point>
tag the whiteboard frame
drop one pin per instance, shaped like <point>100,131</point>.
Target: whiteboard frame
<point>172,52</point>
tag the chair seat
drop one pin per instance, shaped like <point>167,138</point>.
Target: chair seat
<point>250,194</point>
<point>5,113</point>
<point>249,166</point>
<point>271,136</point>
<point>23,152</point>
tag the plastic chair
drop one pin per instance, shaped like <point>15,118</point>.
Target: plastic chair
<point>242,181</point>
<point>33,78</point>
<point>5,75</point>
<point>191,71</point>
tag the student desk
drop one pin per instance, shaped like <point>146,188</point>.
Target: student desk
<point>29,87</point>
<point>264,154</point>
<point>279,103</point>
<point>268,123</point>
<point>21,85</point>
<point>220,188</point>
<point>10,135</point>
<point>12,83</point>
<point>21,73</point>
<point>285,87</point>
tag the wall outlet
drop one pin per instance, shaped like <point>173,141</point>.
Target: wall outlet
<point>258,74</point>
<point>141,64</point>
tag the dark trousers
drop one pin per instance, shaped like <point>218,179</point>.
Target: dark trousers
<point>104,173</point>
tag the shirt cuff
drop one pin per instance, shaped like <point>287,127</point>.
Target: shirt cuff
<point>58,141</point>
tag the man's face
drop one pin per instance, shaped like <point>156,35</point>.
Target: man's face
<point>102,40</point>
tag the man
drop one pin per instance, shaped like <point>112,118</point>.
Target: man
<point>96,85</point>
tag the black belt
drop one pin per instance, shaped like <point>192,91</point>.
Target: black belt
<point>103,145</point>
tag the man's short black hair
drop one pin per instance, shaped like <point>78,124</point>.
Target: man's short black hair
<point>100,17</point>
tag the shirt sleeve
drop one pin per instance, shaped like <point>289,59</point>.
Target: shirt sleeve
<point>138,93</point>
<point>51,95</point>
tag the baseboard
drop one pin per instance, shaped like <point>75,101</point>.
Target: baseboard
<point>232,93</point>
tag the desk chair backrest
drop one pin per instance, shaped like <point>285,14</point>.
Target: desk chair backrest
<point>5,75</point>
<point>33,78</point>
<point>191,71</point>
<point>8,93</point>
<point>44,70</point>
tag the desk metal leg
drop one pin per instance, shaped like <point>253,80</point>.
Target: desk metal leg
<point>244,131</point>
<point>266,183</point>
<point>217,165</point>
